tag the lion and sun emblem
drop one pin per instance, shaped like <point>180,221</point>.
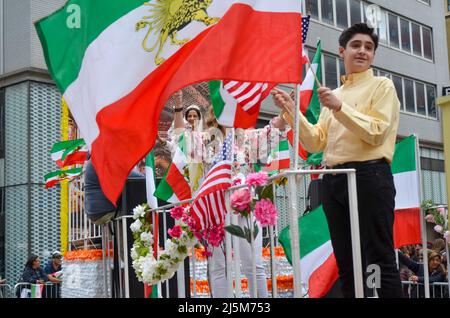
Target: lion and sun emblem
<point>168,17</point>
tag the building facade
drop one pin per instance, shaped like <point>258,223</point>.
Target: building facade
<point>30,124</point>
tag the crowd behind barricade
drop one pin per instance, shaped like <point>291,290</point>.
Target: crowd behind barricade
<point>412,270</point>
<point>36,281</point>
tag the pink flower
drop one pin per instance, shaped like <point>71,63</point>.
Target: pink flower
<point>256,179</point>
<point>265,212</point>
<point>175,231</point>
<point>214,235</point>
<point>442,212</point>
<point>177,212</point>
<point>240,200</point>
<point>430,218</point>
<point>206,252</point>
<point>438,228</point>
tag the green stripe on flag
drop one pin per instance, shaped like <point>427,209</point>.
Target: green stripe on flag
<point>313,110</point>
<point>216,99</point>
<point>164,190</point>
<point>314,232</point>
<point>64,47</point>
<point>65,145</point>
<point>404,155</point>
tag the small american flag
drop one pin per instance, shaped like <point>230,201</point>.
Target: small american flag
<point>209,208</point>
<point>305,27</point>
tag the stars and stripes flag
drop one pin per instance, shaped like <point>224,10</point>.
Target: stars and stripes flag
<point>209,207</point>
<point>237,104</point>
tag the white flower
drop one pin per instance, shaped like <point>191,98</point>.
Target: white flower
<point>138,212</point>
<point>134,254</point>
<point>147,237</point>
<point>136,226</point>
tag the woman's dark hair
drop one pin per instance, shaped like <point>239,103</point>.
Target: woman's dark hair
<point>31,260</point>
<point>358,28</point>
<point>188,110</point>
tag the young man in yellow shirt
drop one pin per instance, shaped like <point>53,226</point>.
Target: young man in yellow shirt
<point>357,128</point>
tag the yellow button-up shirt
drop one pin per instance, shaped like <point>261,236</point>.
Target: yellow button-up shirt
<point>364,129</point>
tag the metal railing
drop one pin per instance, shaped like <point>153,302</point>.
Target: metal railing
<point>83,234</point>
<point>47,290</point>
<point>6,291</point>
<point>233,259</point>
<point>417,290</point>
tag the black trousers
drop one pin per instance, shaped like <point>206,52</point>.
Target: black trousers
<point>376,203</point>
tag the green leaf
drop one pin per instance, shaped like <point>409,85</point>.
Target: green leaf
<point>267,192</point>
<point>255,230</point>
<point>235,230</point>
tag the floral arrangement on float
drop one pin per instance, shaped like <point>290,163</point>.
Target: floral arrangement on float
<point>438,216</point>
<point>148,268</point>
<point>257,198</point>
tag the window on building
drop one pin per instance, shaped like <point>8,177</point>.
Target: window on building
<point>399,88</point>
<point>433,175</point>
<point>393,30</point>
<point>406,39</point>
<point>341,14</point>
<point>330,72</point>
<point>431,101</point>
<point>382,27</point>
<point>409,96</point>
<point>425,1</point>
<point>341,67</point>
<point>2,123</point>
<point>427,46</point>
<point>420,98</point>
<point>327,11</point>
<point>448,5</point>
<point>355,11</point>
<point>312,8</point>
<point>416,40</point>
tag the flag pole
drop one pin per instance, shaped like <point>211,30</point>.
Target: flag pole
<point>426,278</point>
<point>293,204</point>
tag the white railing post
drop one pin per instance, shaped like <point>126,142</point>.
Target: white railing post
<point>295,241</point>
<point>355,235</point>
<point>228,251</point>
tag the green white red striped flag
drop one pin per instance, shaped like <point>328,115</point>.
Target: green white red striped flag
<point>174,187</point>
<point>237,104</point>
<point>70,152</point>
<point>53,178</point>
<point>119,68</point>
<point>150,177</point>
<point>309,99</point>
<point>407,202</point>
<point>319,267</point>
<point>279,158</point>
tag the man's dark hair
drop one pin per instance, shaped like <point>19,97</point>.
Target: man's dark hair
<point>361,28</point>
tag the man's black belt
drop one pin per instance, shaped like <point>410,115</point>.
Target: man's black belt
<point>357,164</point>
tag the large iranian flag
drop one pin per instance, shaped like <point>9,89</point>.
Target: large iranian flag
<point>174,187</point>
<point>407,202</point>
<point>119,67</point>
<point>318,264</point>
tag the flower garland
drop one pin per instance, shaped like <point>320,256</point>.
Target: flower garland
<point>436,216</point>
<point>148,269</point>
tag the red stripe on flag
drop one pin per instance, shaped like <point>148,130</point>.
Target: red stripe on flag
<point>301,151</point>
<point>178,184</point>
<point>407,227</point>
<point>323,278</point>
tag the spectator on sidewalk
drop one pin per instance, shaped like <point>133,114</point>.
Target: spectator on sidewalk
<point>53,270</point>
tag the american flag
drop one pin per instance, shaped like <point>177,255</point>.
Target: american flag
<point>249,95</point>
<point>209,207</point>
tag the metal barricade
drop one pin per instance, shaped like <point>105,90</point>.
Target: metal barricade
<point>6,291</point>
<point>416,290</point>
<point>27,290</point>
